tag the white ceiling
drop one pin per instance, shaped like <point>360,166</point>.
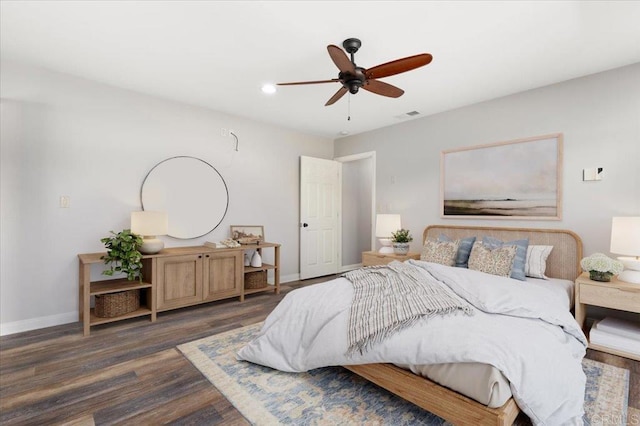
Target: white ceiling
<point>218,54</point>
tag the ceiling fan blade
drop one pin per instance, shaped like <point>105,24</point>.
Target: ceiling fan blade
<point>340,93</point>
<point>382,88</point>
<point>398,66</point>
<point>333,80</point>
<point>341,59</point>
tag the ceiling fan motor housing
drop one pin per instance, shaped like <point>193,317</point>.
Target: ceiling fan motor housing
<point>353,82</point>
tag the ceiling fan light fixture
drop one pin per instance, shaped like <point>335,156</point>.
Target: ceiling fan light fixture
<point>354,86</point>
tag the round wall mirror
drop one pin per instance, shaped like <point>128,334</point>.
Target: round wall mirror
<point>191,191</point>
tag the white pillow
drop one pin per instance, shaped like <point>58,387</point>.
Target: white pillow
<point>536,262</point>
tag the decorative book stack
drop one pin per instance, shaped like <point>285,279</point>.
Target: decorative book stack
<point>617,334</point>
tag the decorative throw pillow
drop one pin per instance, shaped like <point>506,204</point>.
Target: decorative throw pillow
<point>464,249</point>
<point>443,252</point>
<point>536,263</point>
<point>517,271</point>
<point>496,261</point>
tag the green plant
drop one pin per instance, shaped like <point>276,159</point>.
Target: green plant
<point>401,236</point>
<point>123,254</point>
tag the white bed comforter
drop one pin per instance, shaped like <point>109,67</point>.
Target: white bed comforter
<point>521,329</point>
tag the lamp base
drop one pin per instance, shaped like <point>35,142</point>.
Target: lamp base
<point>151,245</point>
<point>631,272</point>
<point>387,247</point>
<point>630,276</point>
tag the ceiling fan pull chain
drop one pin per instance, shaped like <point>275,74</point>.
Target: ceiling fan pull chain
<point>349,108</point>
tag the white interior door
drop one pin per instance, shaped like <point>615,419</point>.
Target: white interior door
<point>319,217</point>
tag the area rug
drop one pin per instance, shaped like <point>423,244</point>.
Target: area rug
<point>330,396</point>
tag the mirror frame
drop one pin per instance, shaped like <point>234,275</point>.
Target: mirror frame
<point>224,183</point>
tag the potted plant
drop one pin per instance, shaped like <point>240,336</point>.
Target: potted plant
<point>601,267</point>
<point>401,239</point>
<point>123,254</point>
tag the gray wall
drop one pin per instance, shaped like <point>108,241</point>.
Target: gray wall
<point>63,135</point>
<point>599,116</point>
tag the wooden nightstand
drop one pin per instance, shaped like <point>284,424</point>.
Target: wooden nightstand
<point>614,294</point>
<point>371,258</point>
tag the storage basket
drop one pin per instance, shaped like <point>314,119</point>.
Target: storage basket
<point>115,304</point>
<point>257,279</point>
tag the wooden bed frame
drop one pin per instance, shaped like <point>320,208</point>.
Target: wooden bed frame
<point>563,262</point>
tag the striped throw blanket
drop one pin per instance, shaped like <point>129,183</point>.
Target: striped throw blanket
<point>389,298</point>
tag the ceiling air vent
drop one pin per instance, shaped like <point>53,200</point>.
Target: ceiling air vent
<point>407,115</point>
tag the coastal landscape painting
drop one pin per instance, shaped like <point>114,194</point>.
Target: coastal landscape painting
<point>518,179</point>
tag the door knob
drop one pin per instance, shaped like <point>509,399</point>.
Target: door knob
<point>304,225</point>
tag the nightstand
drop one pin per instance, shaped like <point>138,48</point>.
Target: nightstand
<point>614,294</point>
<point>371,258</point>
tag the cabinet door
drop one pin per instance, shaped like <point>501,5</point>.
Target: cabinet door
<point>179,281</point>
<point>222,275</point>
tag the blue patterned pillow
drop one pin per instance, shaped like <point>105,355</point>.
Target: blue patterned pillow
<point>517,270</point>
<point>464,249</point>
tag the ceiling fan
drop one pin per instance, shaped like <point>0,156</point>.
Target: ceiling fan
<point>353,77</point>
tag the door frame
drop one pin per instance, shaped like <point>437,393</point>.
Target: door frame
<point>356,157</point>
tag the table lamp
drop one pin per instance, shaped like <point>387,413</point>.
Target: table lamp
<point>149,225</point>
<point>625,239</point>
<point>386,224</point>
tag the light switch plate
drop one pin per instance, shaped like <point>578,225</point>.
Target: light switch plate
<point>594,173</point>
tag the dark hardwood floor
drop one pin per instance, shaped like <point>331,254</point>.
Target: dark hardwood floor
<point>130,372</point>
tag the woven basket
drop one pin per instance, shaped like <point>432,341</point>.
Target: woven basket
<point>256,279</point>
<point>115,304</point>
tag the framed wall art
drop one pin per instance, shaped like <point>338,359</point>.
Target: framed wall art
<point>519,179</point>
<point>247,234</point>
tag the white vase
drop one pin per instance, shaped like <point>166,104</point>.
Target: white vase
<point>247,259</point>
<point>401,248</point>
<point>256,260</point>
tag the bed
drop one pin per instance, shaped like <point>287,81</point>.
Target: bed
<point>562,263</point>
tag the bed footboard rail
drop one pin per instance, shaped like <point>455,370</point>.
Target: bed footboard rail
<point>434,398</point>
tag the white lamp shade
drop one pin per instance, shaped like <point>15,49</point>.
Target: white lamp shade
<point>625,236</point>
<point>386,224</point>
<point>149,223</point>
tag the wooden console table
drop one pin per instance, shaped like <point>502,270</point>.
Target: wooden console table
<point>174,278</point>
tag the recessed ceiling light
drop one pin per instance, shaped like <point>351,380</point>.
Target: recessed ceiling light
<point>344,133</point>
<point>268,89</point>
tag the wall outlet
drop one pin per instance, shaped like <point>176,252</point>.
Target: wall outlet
<point>65,201</point>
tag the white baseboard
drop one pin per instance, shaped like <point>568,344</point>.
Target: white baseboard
<point>289,278</point>
<point>346,268</point>
<point>36,323</point>
<point>296,277</point>
<point>69,317</point>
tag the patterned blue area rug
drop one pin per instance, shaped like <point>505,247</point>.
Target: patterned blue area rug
<point>336,396</point>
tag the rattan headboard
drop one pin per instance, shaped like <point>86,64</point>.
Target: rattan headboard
<point>563,262</point>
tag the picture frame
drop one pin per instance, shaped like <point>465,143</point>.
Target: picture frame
<point>518,179</point>
<point>247,234</point>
